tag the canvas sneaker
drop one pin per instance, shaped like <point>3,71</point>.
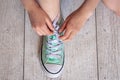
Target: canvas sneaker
<point>52,55</point>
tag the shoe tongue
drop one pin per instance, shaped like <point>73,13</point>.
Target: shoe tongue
<point>58,21</point>
<point>54,39</point>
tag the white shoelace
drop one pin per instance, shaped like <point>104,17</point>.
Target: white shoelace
<point>54,50</point>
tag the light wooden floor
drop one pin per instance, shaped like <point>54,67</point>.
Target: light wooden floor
<point>94,54</point>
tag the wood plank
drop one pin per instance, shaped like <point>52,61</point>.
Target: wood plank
<point>108,33</point>
<point>33,70</point>
<point>81,63</point>
<point>81,60</point>
<point>11,40</point>
<point>118,54</point>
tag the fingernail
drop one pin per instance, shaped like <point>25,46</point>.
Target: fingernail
<point>51,33</point>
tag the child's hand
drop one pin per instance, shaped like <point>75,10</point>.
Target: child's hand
<point>77,19</point>
<point>72,25</point>
<point>40,22</point>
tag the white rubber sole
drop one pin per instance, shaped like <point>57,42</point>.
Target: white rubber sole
<point>49,74</point>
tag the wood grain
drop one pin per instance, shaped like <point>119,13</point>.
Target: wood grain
<point>108,40</point>
<point>32,42</point>
<point>11,40</point>
<point>98,41</point>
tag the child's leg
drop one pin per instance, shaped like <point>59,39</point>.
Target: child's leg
<point>113,5</point>
<point>51,7</point>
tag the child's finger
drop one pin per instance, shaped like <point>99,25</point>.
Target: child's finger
<point>49,24</point>
<point>40,31</point>
<point>64,24</point>
<point>67,33</point>
<point>47,31</point>
<point>70,37</point>
<point>62,28</point>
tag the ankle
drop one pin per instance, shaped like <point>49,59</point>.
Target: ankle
<point>54,16</point>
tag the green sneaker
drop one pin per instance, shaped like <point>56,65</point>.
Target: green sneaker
<point>52,56</point>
